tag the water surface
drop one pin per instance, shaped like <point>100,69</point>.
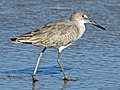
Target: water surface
<point>93,61</point>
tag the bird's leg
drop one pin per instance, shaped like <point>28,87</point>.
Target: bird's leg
<point>36,67</point>
<point>65,76</point>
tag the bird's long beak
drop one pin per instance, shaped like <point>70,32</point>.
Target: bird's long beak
<point>95,24</point>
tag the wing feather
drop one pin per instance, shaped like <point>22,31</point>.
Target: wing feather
<point>53,34</point>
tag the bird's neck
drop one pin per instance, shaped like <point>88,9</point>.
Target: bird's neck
<point>81,28</point>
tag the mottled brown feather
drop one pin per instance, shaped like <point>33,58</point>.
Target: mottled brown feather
<point>53,34</point>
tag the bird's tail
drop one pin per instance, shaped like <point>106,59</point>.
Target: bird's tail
<point>22,39</point>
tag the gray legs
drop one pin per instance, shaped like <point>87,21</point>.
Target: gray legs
<point>65,76</point>
<point>38,61</point>
<point>36,67</point>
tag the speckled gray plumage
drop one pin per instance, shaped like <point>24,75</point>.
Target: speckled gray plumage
<point>54,34</point>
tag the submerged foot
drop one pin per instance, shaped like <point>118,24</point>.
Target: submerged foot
<point>67,78</point>
<point>34,78</point>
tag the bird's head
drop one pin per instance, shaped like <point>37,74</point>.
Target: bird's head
<point>82,18</point>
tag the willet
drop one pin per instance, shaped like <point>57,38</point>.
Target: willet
<point>58,34</point>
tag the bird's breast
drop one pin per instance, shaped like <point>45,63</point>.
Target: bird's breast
<point>81,30</point>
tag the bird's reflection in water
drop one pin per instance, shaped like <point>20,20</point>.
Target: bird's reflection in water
<point>64,85</point>
<point>34,86</point>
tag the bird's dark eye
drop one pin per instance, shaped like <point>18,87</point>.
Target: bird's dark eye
<point>82,15</point>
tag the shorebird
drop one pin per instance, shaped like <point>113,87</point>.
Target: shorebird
<point>58,34</point>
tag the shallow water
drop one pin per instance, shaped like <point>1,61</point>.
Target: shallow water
<point>93,61</point>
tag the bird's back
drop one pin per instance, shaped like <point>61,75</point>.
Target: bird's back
<point>53,34</point>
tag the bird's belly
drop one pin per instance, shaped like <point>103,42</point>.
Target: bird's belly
<point>63,47</point>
